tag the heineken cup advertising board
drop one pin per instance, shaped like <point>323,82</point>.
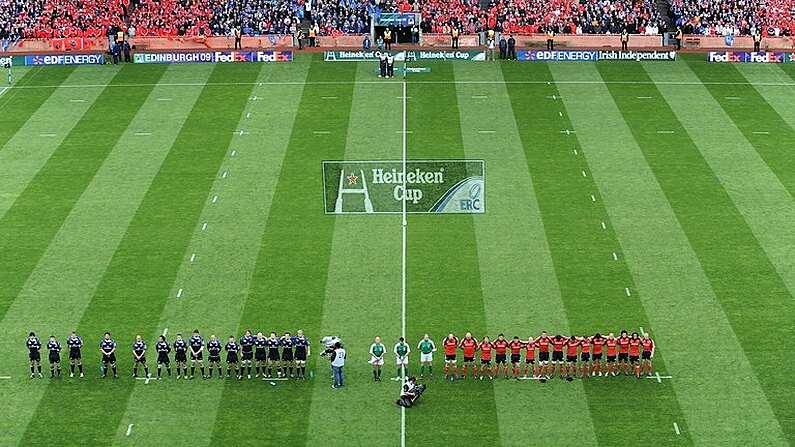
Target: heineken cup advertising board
<point>428,186</point>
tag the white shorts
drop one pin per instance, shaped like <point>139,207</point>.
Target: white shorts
<point>426,357</point>
<point>376,361</point>
<point>402,360</point>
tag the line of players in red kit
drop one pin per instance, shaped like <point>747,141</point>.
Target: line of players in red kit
<point>598,356</point>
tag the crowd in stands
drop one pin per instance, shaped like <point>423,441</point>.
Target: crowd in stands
<point>92,18</point>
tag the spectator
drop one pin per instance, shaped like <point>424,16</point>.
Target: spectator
<point>503,47</point>
<point>366,42</point>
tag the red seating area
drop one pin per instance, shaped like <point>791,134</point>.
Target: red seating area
<point>171,18</point>
<point>74,18</point>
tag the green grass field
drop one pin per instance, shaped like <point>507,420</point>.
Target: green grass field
<point>620,195</point>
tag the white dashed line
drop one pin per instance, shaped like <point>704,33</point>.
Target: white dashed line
<point>179,293</point>
<point>665,131</point>
<point>626,289</point>
<point>328,97</point>
<point>204,226</point>
<point>604,227</point>
<point>732,97</point>
<point>77,100</point>
<point>5,377</point>
<point>47,135</point>
<point>321,132</point>
<point>224,174</point>
<point>593,198</point>
<point>584,174</point>
<point>480,97</point>
<point>615,256</point>
<point>129,429</point>
<point>143,134</point>
<point>676,428</point>
<point>575,152</point>
<point>145,379</point>
<point>215,198</point>
<point>248,115</point>
<point>192,258</point>
<point>487,131</point>
<point>658,377</point>
<point>553,97</point>
<point>165,332</point>
<point>233,153</point>
<point>568,132</point>
<point>164,99</point>
<point>760,132</point>
<point>644,97</point>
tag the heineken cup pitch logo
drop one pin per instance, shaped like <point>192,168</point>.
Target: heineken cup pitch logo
<point>427,186</point>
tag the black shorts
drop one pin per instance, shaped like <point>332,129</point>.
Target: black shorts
<point>633,359</point>
<point>469,359</point>
<point>109,358</point>
<point>543,356</point>
<point>516,358</point>
<point>585,356</point>
<point>597,356</point>
<point>196,356</point>
<point>571,358</point>
<point>141,360</point>
<point>500,358</point>
<point>645,355</point>
<point>485,361</point>
<point>34,356</point>
<point>529,360</point>
<point>162,358</point>
<point>623,356</point>
<point>611,358</point>
<point>273,355</point>
<point>260,355</point>
<point>557,356</point>
<point>214,358</point>
<point>180,356</point>
<point>450,357</point>
<point>248,355</point>
<point>287,355</point>
<point>231,357</point>
<point>74,354</point>
<point>55,357</point>
<point>300,354</point>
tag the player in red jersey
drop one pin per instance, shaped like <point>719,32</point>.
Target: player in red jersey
<point>450,344</point>
<point>623,352</point>
<point>572,344</point>
<point>585,357</point>
<point>469,345</point>
<point>597,341</point>
<point>500,348</point>
<point>612,345</point>
<point>516,356</point>
<point>485,348</point>
<point>647,354</point>
<point>543,341</point>
<point>634,353</point>
<point>558,342</point>
<point>530,357</point>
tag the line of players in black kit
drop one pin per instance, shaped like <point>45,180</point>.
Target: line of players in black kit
<point>285,355</point>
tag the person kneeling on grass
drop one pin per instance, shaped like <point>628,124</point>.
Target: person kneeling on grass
<point>410,393</point>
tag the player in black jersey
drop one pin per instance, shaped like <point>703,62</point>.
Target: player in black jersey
<point>181,356</point>
<point>54,349</point>
<point>196,343</point>
<point>139,356</point>
<point>162,347</point>
<point>260,353</point>
<point>301,353</point>
<point>232,351</point>
<point>34,355</point>
<point>287,342</point>
<point>273,354</point>
<point>75,344</point>
<point>107,347</point>
<point>246,352</point>
<point>214,357</point>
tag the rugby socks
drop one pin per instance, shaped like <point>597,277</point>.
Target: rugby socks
<point>158,371</point>
<point>72,369</point>
<point>257,369</point>
<point>80,367</point>
<point>32,370</point>
<point>202,370</point>
<point>146,371</point>
<point>114,370</point>
<point>52,371</point>
<point>192,371</point>
<point>135,371</point>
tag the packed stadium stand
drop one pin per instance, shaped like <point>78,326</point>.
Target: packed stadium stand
<point>93,18</point>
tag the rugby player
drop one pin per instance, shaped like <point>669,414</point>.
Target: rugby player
<point>196,347</point>
<point>214,357</point>
<point>287,342</point>
<point>232,351</point>
<point>500,349</point>
<point>54,349</point>
<point>585,357</point>
<point>377,350</point>
<point>647,354</point>
<point>611,343</point>
<point>469,344</point>
<point>162,348</point>
<point>107,347</point>
<point>516,346</point>
<point>402,351</point>
<point>139,356</point>
<point>543,341</point>
<point>34,355</point>
<point>260,354</point>
<point>181,356</point>
<point>634,354</point>
<point>486,347</point>
<point>246,352</point>
<point>426,348</point>
<point>450,344</point>
<point>301,353</point>
<point>558,342</point>
<point>75,344</point>
<point>530,357</point>
<point>623,352</point>
<point>273,354</point>
<point>598,342</point>
<point>572,344</point>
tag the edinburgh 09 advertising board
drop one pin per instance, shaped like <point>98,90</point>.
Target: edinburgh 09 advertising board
<point>66,59</point>
<point>761,57</point>
<point>592,56</point>
<point>212,57</point>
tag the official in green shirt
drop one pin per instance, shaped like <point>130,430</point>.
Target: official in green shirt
<point>426,348</point>
<point>402,357</point>
<point>377,350</point>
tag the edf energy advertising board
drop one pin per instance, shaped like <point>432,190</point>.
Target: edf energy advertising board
<point>427,186</point>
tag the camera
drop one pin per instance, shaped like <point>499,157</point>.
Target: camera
<point>328,343</point>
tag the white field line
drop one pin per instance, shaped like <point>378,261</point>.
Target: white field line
<point>143,134</point>
<point>192,258</point>
<point>480,97</point>
<point>129,429</point>
<point>233,153</point>
<point>179,293</point>
<point>593,198</point>
<point>204,226</point>
<point>644,97</point>
<point>584,174</point>
<point>77,100</point>
<point>224,174</point>
<point>626,289</point>
<point>732,97</point>
<point>604,227</point>
<point>403,131</point>
<point>615,256</point>
<point>164,99</point>
<point>48,135</point>
<point>676,428</point>
<point>568,132</point>
<point>487,131</point>
<point>665,131</point>
<point>145,379</point>
<point>575,152</point>
<point>404,223</point>
<point>165,332</point>
<point>321,132</point>
<point>760,132</point>
<point>215,198</point>
<point>5,377</point>
<point>328,97</point>
<point>5,89</point>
